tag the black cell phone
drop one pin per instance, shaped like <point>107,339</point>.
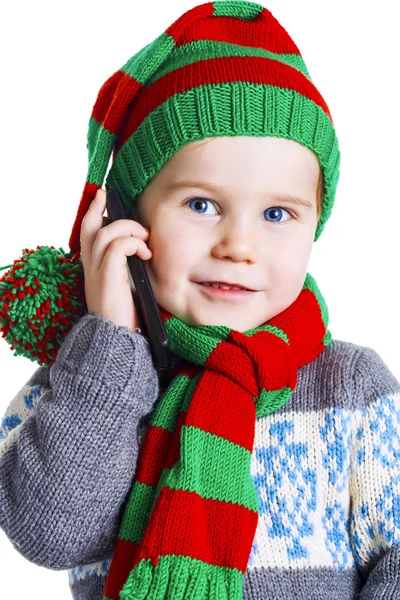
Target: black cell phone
<point>150,318</point>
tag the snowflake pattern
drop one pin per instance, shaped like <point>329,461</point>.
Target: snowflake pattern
<point>291,469</point>
<point>286,467</point>
<point>336,435</point>
<point>375,522</point>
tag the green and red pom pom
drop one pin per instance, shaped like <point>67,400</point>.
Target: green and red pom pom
<point>41,298</point>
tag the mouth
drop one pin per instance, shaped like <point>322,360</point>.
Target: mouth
<point>224,294</point>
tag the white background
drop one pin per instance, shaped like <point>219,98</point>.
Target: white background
<point>54,59</point>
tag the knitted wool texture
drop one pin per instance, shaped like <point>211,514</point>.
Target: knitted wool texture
<point>190,520</point>
<point>222,68</point>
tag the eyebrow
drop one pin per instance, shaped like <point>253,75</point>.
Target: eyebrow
<point>292,198</point>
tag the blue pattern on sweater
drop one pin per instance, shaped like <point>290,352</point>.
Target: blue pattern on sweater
<point>310,464</point>
<point>272,485</point>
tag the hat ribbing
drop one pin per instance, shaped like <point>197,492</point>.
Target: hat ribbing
<point>223,68</point>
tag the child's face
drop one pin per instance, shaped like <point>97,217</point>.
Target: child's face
<point>232,234</point>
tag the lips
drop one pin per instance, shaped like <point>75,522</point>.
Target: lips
<point>225,295</point>
<point>222,286</point>
<point>226,284</point>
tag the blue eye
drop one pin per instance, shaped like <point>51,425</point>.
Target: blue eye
<point>200,202</point>
<point>279,210</point>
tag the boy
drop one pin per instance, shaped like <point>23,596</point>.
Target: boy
<point>259,388</point>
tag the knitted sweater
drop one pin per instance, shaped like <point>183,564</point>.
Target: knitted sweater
<point>326,467</point>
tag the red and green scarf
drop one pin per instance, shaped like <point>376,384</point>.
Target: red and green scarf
<point>191,515</point>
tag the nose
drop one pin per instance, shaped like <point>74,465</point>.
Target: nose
<point>238,241</point>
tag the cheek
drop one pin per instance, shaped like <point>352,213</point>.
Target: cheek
<point>171,241</point>
<point>287,263</point>
<point>296,248</point>
<point>174,253</point>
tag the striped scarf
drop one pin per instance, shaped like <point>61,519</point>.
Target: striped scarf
<point>190,519</point>
<point>222,68</point>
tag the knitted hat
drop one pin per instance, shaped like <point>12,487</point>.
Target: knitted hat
<point>223,68</point>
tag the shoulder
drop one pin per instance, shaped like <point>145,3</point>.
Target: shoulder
<point>345,374</point>
<point>369,375</point>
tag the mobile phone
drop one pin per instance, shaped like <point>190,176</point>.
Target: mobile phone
<point>143,296</point>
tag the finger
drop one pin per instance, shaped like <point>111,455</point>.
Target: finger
<point>91,223</point>
<point>112,232</point>
<point>120,248</point>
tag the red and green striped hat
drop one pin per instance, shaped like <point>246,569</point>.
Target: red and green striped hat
<point>223,68</point>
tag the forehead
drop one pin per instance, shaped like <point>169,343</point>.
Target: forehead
<point>254,162</point>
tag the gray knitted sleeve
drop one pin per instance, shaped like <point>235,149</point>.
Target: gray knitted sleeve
<point>69,445</point>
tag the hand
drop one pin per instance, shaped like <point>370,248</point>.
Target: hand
<point>104,248</point>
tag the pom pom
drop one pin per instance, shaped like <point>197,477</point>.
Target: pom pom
<point>41,298</point>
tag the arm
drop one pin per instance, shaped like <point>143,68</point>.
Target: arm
<point>375,480</point>
<point>68,455</point>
